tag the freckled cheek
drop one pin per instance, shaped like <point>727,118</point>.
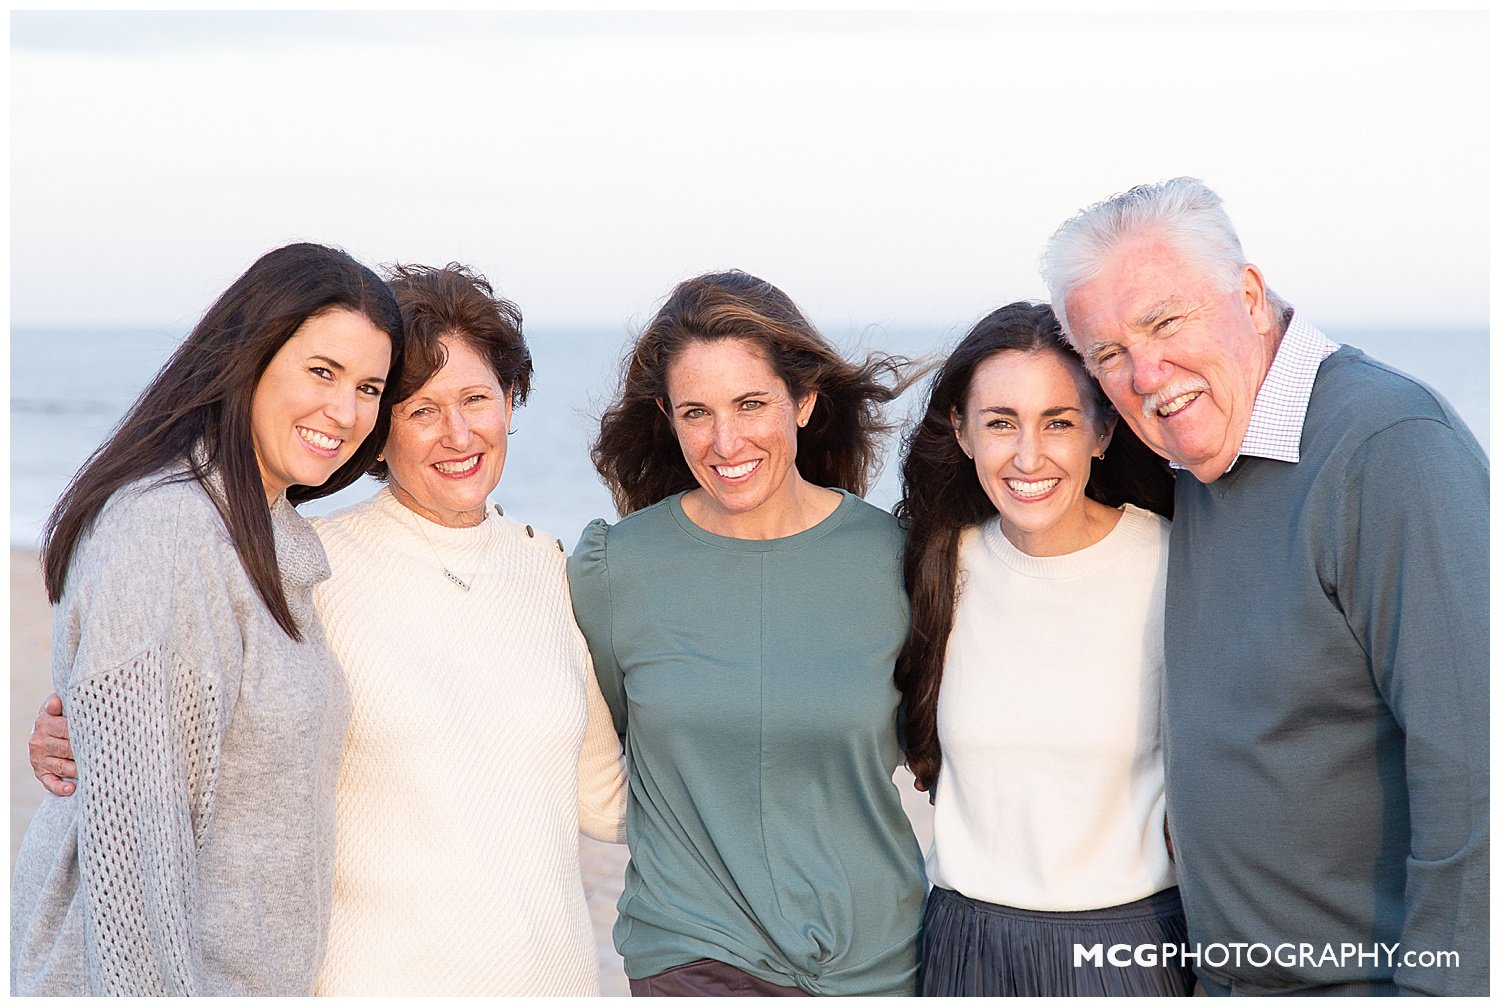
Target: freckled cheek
<point>693,444</point>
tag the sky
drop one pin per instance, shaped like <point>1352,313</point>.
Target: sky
<point>884,169</point>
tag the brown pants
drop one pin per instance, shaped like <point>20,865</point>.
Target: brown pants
<point>708,978</point>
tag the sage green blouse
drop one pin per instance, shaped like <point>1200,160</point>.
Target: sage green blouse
<point>752,684</point>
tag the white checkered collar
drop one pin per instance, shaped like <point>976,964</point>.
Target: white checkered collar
<point>1275,429</point>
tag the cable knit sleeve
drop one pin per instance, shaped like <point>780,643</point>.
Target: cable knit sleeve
<point>588,582</point>
<point>146,718</point>
<point>601,771</point>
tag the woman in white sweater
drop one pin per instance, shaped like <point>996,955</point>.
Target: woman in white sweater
<point>460,875</point>
<point>1032,675</point>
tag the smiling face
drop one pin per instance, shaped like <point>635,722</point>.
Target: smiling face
<point>1033,436</point>
<point>317,399</point>
<point>737,425</point>
<point>1181,359</point>
<point>446,449</point>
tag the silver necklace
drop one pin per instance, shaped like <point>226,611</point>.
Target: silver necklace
<point>448,572</point>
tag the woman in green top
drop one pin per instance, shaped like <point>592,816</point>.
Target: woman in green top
<point>744,620</point>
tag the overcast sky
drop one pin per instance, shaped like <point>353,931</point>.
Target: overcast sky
<point>887,169</point>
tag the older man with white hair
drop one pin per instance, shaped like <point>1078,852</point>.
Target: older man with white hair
<point>1327,630</point>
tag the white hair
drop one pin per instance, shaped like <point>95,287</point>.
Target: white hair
<point>1188,213</point>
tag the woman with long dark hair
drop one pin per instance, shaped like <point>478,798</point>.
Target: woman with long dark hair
<point>1036,566</point>
<point>206,712</point>
<point>744,619</point>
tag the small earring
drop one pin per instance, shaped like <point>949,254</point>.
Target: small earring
<point>1101,456</point>
<point>380,458</point>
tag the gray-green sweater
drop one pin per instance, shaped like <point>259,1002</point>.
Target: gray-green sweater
<point>1327,695</point>
<point>197,855</point>
<point>752,683</point>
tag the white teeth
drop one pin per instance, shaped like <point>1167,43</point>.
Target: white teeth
<point>318,440</point>
<point>457,468</point>
<point>1031,489</point>
<point>735,471</point>
<point>1177,403</point>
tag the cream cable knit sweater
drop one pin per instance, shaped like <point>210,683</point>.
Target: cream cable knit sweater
<point>468,774</point>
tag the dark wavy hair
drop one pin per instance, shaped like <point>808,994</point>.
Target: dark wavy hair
<point>202,397</point>
<point>637,454</point>
<point>457,302</point>
<point>941,496</point>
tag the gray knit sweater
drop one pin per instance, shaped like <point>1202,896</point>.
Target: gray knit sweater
<point>196,856</point>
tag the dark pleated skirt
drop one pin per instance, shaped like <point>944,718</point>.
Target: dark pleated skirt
<point>973,948</point>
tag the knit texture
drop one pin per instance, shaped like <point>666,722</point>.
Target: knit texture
<point>478,744</point>
<point>196,856</point>
<point>1050,796</point>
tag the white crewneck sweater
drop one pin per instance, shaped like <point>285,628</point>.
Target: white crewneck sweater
<point>1050,795</point>
<point>478,746</point>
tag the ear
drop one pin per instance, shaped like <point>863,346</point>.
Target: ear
<point>805,408</point>
<point>510,405</point>
<point>664,411</point>
<point>1253,290</point>
<point>1108,433</point>
<point>958,431</point>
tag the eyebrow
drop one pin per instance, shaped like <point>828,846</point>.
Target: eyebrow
<point>1154,313</point>
<point>737,398</point>
<point>1008,411</point>
<point>335,365</point>
<point>421,395</point>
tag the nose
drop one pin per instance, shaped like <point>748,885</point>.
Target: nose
<point>458,434</point>
<point>343,407</point>
<point>1149,369</point>
<point>726,437</point>
<point>1028,451</point>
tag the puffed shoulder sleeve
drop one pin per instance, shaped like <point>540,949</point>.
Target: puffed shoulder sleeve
<point>588,582</point>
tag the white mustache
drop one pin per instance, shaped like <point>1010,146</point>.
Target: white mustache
<point>1156,400</point>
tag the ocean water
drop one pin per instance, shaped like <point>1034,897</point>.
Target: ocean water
<point>69,387</point>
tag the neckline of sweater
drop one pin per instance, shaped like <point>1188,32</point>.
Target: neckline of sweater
<point>1134,526</point>
<point>386,503</point>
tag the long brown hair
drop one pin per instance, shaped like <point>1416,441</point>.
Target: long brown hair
<point>637,454</point>
<point>201,397</point>
<point>941,496</point>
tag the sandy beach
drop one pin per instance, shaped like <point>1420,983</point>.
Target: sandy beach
<point>30,680</point>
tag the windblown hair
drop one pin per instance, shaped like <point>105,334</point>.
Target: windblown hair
<point>1184,210</point>
<point>637,453</point>
<point>942,496</point>
<point>455,302</point>
<point>201,400</point>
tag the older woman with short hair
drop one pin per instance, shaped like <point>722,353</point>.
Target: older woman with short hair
<point>444,610</point>
<point>744,617</point>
